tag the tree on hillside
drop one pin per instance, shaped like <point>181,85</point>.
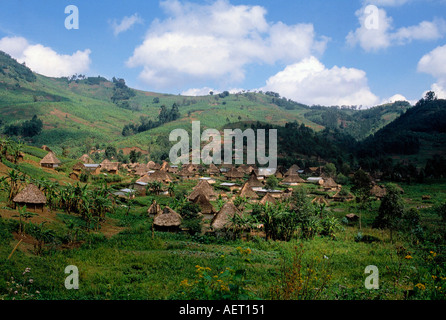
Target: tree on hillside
<point>390,211</point>
<point>362,184</point>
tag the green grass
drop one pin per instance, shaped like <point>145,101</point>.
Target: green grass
<point>133,265</point>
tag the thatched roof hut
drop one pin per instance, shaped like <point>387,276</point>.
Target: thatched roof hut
<point>86,159</point>
<point>330,184</point>
<point>234,174</point>
<point>153,166</point>
<point>50,161</point>
<point>205,205</point>
<point>157,176</point>
<point>213,170</point>
<point>141,170</point>
<point>154,209</point>
<point>168,218</point>
<point>292,170</point>
<point>268,198</point>
<point>293,179</point>
<point>203,187</point>
<point>253,181</point>
<point>222,219</point>
<point>31,196</point>
<point>247,192</point>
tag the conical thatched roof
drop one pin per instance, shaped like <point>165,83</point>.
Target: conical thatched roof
<point>293,178</point>
<point>141,170</point>
<point>30,194</point>
<point>153,166</point>
<point>253,181</point>
<point>329,183</point>
<point>292,170</point>
<point>167,218</point>
<point>268,198</point>
<point>247,192</point>
<point>213,169</point>
<point>203,187</point>
<point>154,208</point>
<point>234,173</point>
<point>223,218</point>
<point>50,158</point>
<point>204,204</point>
<point>160,176</point>
<point>86,159</point>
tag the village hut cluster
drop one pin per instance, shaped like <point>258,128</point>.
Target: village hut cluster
<point>224,183</point>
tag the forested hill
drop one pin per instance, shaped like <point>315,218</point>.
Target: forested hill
<point>358,124</point>
<point>421,126</point>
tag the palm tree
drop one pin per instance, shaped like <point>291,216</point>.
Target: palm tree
<point>155,187</point>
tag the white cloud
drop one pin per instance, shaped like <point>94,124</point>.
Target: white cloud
<point>195,92</point>
<point>217,41</point>
<point>434,63</point>
<point>310,82</point>
<point>387,3</point>
<point>125,24</point>
<point>377,32</point>
<point>45,60</point>
<point>394,98</point>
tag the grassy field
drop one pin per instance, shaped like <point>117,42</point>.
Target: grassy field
<point>125,260</point>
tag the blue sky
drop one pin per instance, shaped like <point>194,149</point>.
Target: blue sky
<point>341,52</point>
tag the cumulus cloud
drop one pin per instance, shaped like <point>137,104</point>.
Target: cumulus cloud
<point>434,63</point>
<point>310,82</point>
<point>377,32</point>
<point>217,41</point>
<point>45,60</point>
<point>125,24</point>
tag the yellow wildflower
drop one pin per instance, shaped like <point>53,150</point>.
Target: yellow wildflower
<point>420,286</point>
<point>408,257</point>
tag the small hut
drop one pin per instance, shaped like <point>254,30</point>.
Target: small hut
<point>50,161</point>
<point>292,170</point>
<point>110,167</point>
<point>292,180</point>
<point>86,159</point>
<point>234,174</point>
<point>153,166</point>
<point>203,187</point>
<point>254,182</point>
<point>167,220</point>
<point>32,197</point>
<point>247,192</point>
<point>330,185</point>
<point>268,199</point>
<point>207,209</point>
<point>154,209</point>
<point>222,219</point>
<point>213,170</point>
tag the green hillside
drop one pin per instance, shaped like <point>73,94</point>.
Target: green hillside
<point>79,112</point>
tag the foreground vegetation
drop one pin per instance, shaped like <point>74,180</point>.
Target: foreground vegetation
<point>126,259</point>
